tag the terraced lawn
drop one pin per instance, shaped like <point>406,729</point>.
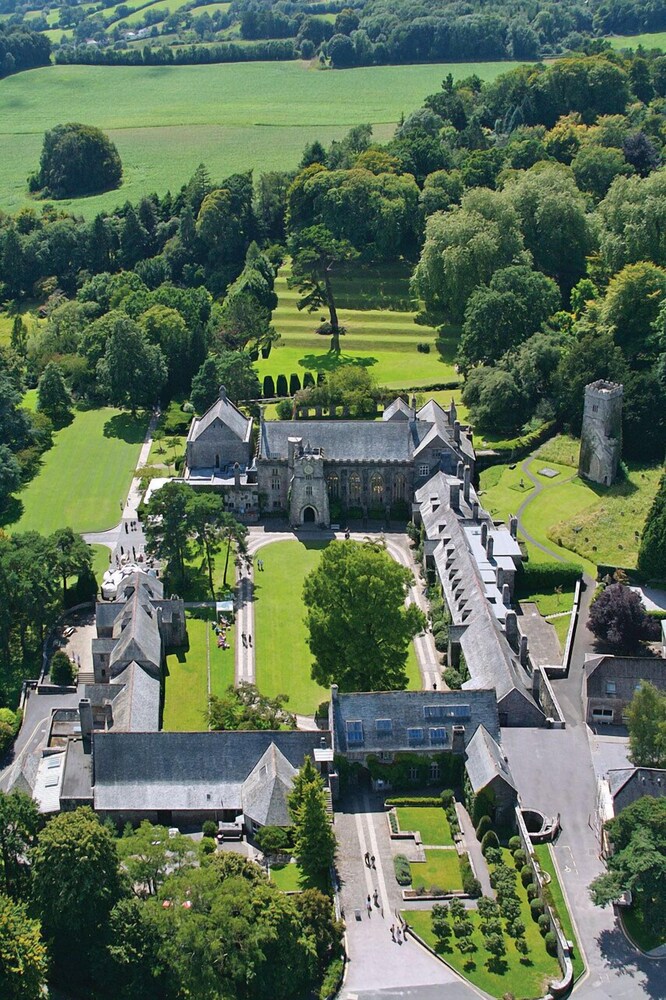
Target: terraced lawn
<point>186,684</point>
<point>375,307</point>
<point>440,869</point>
<point>431,822</point>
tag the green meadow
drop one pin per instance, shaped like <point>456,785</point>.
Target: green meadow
<point>653,40</point>
<point>382,332</point>
<point>165,120</point>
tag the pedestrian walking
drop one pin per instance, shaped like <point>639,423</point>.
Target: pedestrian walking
<point>249,639</point>
<point>434,686</point>
<point>133,552</point>
<point>372,861</point>
<point>369,906</point>
<point>366,858</point>
<point>122,551</point>
<point>393,932</point>
<point>375,897</point>
<point>244,638</point>
<point>125,527</point>
<point>398,937</point>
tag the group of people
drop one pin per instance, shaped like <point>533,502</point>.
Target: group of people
<point>372,901</point>
<point>220,630</point>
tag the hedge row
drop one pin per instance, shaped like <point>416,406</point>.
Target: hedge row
<point>544,577</point>
<point>427,800</point>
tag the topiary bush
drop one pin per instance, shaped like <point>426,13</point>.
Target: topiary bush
<point>520,858</point>
<point>281,386</point>
<point>550,941</point>
<point>515,844</point>
<point>471,884</point>
<point>489,840</point>
<point>447,797</point>
<point>532,891</point>
<point>209,828</point>
<point>403,871</point>
<point>536,908</point>
<point>526,875</point>
<point>544,923</point>
<point>493,855</point>
<point>63,670</point>
<point>483,826</point>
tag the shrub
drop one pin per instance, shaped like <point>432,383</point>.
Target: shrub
<point>544,923</point>
<point>532,891</point>
<point>510,907</point>
<point>515,844</point>
<point>536,908</point>
<point>269,387</point>
<point>544,577</point>
<point>281,386</point>
<point>207,846</point>
<point>332,979</point>
<point>294,384</point>
<point>406,800</point>
<point>272,840</point>
<point>520,857</point>
<point>63,670</point>
<point>550,941</point>
<point>284,409</point>
<point>453,678</point>
<point>526,875</point>
<point>403,872</point>
<point>308,381</point>
<point>490,839</point>
<point>471,885</point>
<point>447,798</point>
<point>457,909</point>
<point>515,928</point>
<point>483,826</point>
<point>209,828</point>
<point>493,855</point>
<point>442,641</point>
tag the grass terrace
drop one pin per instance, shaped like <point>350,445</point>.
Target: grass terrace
<point>290,878</point>
<point>441,869</point>
<point>186,684</point>
<point>431,823</point>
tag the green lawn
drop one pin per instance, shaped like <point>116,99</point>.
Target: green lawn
<point>440,869</point>
<point>543,853</point>
<point>375,308</point>
<point>85,475</point>
<point>562,449</point>
<point>653,40</point>
<point>232,117</point>
<point>290,878</point>
<point>283,658</point>
<point>100,562</point>
<point>526,977</point>
<point>186,684</point>
<point>431,822</point>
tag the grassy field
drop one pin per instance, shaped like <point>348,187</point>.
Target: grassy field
<point>524,976</point>
<point>440,869</point>
<point>375,307</point>
<point>290,878</point>
<point>232,117</point>
<point>282,655</point>
<point>431,823</point>
<point>654,40</point>
<point>84,476</point>
<point>547,864</point>
<point>186,684</point>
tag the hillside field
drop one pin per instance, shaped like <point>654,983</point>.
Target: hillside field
<point>653,40</point>
<point>166,120</point>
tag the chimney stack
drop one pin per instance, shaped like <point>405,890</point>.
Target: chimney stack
<point>513,526</point>
<point>86,717</point>
<point>511,627</point>
<point>458,739</point>
<point>456,432</point>
<point>453,413</point>
<point>489,548</point>
<point>499,574</point>
<point>475,511</point>
<point>459,470</point>
<point>467,481</point>
<point>523,650</point>
<point>223,392</point>
<point>484,533</point>
<point>506,595</point>
<point>454,494</point>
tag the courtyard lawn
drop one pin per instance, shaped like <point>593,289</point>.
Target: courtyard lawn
<point>85,476</point>
<point>502,489</point>
<point>374,306</point>
<point>544,854</point>
<point>440,869</point>
<point>100,562</point>
<point>431,822</point>
<point>186,684</point>
<point>290,878</point>
<point>283,659</point>
<point>233,117</point>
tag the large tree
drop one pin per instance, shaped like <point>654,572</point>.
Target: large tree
<point>19,822</point>
<point>631,306</point>
<point>167,529</point>
<point>314,839</point>
<point>76,160</point>
<point>53,396</point>
<point>315,253</point>
<point>244,707</point>
<point>359,627</point>
<point>23,963</point>
<point>71,555</point>
<point>232,369</point>
<point>652,553</point>
<point>646,718</point>
<point>618,617</point>
<point>132,371</point>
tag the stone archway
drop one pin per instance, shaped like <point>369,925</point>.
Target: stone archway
<point>309,515</point>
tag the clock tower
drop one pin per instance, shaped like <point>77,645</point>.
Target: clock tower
<point>308,494</point>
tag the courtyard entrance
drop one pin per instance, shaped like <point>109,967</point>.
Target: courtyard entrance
<point>309,515</point>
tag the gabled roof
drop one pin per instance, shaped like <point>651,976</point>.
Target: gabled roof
<point>626,672</point>
<point>397,410</point>
<point>228,414</point>
<point>627,784</point>
<point>137,707</point>
<point>266,788</point>
<point>345,440</point>
<point>485,761</point>
<point>138,634</point>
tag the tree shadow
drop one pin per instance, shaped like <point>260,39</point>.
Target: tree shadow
<point>331,361</point>
<point>130,429</point>
<point>374,286</point>
<point>498,966</point>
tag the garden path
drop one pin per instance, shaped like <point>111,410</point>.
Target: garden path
<point>538,488</point>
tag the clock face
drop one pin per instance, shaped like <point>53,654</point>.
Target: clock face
<point>308,469</point>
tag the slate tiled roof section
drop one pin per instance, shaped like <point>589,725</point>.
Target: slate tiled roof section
<point>628,784</point>
<point>266,788</point>
<point>485,761</point>
<point>228,414</point>
<point>137,707</point>
<point>397,410</point>
<point>138,633</point>
<point>345,440</point>
<point>186,771</point>
<point>626,672</point>
<point>410,710</point>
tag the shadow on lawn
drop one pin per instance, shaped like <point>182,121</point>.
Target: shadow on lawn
<point>130,429</point>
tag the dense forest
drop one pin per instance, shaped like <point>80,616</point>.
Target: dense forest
<point>340,34</point>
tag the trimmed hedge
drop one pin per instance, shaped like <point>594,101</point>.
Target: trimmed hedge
<point>403,871</point>
<point>544,577</point>
<point>483,826</point>
<point>425,800</point>
<point>471,885</point>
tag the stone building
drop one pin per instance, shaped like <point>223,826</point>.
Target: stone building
<point>601,434</point>
<point>610,682</point>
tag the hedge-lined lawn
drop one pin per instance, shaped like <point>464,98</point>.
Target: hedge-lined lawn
<point>375,308</point>
<point>186,684</point>
<point>290,878</point>
<point>283,658</point>
<point>85,475</point>
<point>547,864</point>
<point>440,869</point>
<point>503,490</point>
<point>431,822</point>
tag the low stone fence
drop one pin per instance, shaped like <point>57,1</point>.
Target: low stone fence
<point>563,669</point>
<point>547,698</point>
<point>561,987</point>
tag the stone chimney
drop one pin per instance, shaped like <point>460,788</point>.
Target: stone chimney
<point>467,481</point>
<point>237,481</point>
<point>506,595</point>
<point>511,627</point>
<point>523,650</point>
<point>475,511</point>
<point>484,534</point>
<point>293,449</point>
<point>499,576</point>
<point>86,717</point>
<point>458,739</point>
<point>454,495</point>
<point>459,470</point>
<point>489,548</point>
<point>453,413</point>
<point>456,432</point>
<point>413,408</point>
<point>223,392</point>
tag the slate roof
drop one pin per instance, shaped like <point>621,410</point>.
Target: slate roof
<point>138,634</point>
<point>411,710</point>
<point>265,790</point>
<point>397,410</point>
<point>345,440</point>
<point>627,784</point>
<point>225,411</point>
<point>485,761</point>
<point>137,707</point>
<point>626,671</point>
<point>186,771</point>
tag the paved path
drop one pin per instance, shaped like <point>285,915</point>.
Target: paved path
<point>538,488</point>
<point>396,545</point>
<point>377,965</point>
<point>473,848</point>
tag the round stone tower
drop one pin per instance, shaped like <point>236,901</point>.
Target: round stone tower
<point>601,434</point>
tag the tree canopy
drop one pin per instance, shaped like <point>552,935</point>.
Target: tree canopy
<point>359,627</point>
<point>76,160</point>
<point>646,719</point>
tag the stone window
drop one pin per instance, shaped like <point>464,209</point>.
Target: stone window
<point>377,488</point>
<point>308,491</point>
<point>399,487</point>
<point>424,470</point>
<point>354,487</point>
<point>437,453</point>
<point>595,408</point>
<point>611,687</point>
<point>275,472</point>
<point>333,486</point>
<point>434,772</point>
<point>275,485</point>
<point>413,774</point>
